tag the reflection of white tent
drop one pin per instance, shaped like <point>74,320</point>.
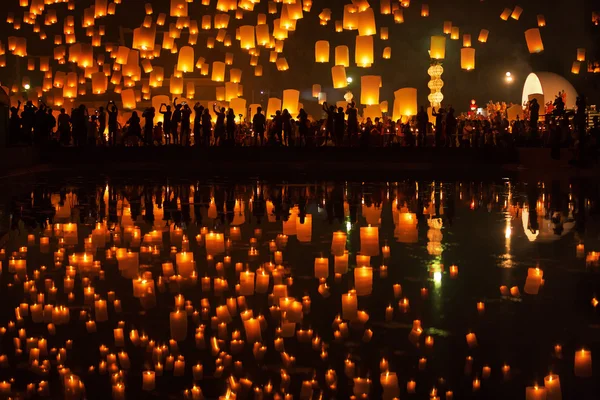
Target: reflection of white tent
<point>545,233</point>
<point>549,84</point>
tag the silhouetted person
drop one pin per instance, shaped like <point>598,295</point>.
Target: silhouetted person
<point>422,121</point>
<point>14,125</point>
<point>339,126</point>
<point>27,121</point>
<point>113,124</point>
<point>206,127</point>
<point>50,123</point>
<point>79,118</point>
<point>277,123</point>
<point>198,110</point>
<point>134,127</point>
<point>534,116</point>
<point>167,114</point>
<point>352,113</point>
<point>220,124</point>
<point>148,115</point>
<point>259,125</point>
<point>329,126</point>
<point>175,120</point>
<point>303,124</point>
<point>230,127</point>
<point>439,125</point>
<point>101,122</point>
<point>450,125</point>
<point>559,105</point>
<point>286,123</point>
<point>40,128</point>
<point>186,113</point>
<point>64,128</point>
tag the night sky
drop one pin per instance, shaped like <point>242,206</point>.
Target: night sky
<point>568,27</point>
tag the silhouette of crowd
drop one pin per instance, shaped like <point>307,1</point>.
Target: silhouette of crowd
<point>184,125</point>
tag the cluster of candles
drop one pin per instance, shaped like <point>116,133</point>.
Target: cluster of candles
<point>215,326</point>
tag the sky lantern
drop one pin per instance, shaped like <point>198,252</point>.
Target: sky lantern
<point>385,7</point>
<point>231,90</point>
<point>405,103</point>
<point>262,34</point>
<point>483,35</point>
<point>144,38</point>
<point>316,89</point>
<point>581,54</point>
<point>206,23</point>
<point>238,105</point>
<point>387,53</point>
<point>534,40</point>
<point>128,99</point>
<point>148,8</point>
<point>541,20</point>
<point>350,19</point>
<point>176,85</point>
<point>466,40</point>
<point>399,16</point>
<point>366,23</point>
<point>291,99</point>
<point>282,64</point>
<point>438,47</point>
<point>272,7</point>
<point>455,33</point>
<point>235,75</point>
<point>122,55</point>
<point>258,71</point>
<point>576,67</point>
<point>447,27</point>
<point>218,71</point>
<point>100,8</point>
<point>261,19</point>
<point>273,105</point>
<point>278,32</point>
<point>369,89</point>
<point>467,58</point>
<point>339,26</point>
<point>185,61</point>
<point>229,58</point>
<point>384,33</point>
<point>424,10</point>
<point>505,14</point>
<point>247,37</point>
<point>364,51</point>
<point>99,83</point>
<point>294,10</point>
<point>322,51</point>
<point>220,93</point>
<point>179,8</point>
<point>342,56</point>
<point>516,14</point>
<point>338,75</point>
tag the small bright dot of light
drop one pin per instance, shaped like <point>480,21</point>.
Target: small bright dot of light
<point>349,79</point>
<point>27,87</point>
<point>508,74</point>
<point>348,225</point>
<point>437,277</point>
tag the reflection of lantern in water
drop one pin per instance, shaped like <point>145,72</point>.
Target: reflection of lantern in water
<point>369,241</point>
<point>304,230</point>
<point>363,280</point>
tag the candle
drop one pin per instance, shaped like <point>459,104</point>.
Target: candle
<point>486,371</point>
<point>552,385</point>
<point>481,308</point>
<point>411,386</point>
<point>148,381</point>
<point>252,328</point>
<point>44,245</point>
<point>580,250</point>
<point>362,387</point>
<point>453,271</point>
<point>369,241</point>
<point>386,252</point>
<point>476,384</point>
<point>471,340</point>
<point>583,363</point>
<point>363,280</point>
<point>340,263</point>
<point>278,257</point>
<point>338,243</point>
<point>389,313</point>
<point>247,283</point>
<point>535,393</point>
<point>185,264</point>
<point>533,281</point>
<point>70,234</point>
<point>506,372</point>
<point>321,268</point>
<point>100,310</point>
<point>178,324</point>
<point>350,305</point>
<point>262,281</point>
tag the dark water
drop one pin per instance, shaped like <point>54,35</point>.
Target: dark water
<point>491,232</point>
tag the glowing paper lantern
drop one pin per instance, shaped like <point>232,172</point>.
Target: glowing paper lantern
<point>384,33</point>
<point>338,75</point>
<point>366,23</point>
<point>364,51</point>
<point>322,97</point>
<point>282,64</point>
<point>369,89</point>
<point>247,37</point>
<point>466,40</point>
<point>342,56</point>
<point>262,34</point>
<point>144,38</point>
<point>99,83</point>
<point>218,71</point>
<point>291,98</point>
<point>231,90</point>
<point>128,99</point>
<point>483,35</point>
<point>447,27</point>
<point>424,10</point>
<point>516,14</point>
<point>235,75</point>
<point>273,105</point>
<point>467,58</point>
<point>398,16</point>
<point>322,51</point>
<point>576,67</point>
<point>455,33</point>
<point>405,103</point>
<point>258,70</point>
<point>505,14</point>
<point>350,19</point>
<point>438,47</point>
<point>176,85</point>
<point>541,20</point>
<point>581,55</point>
<point>534,40</point>
<point>387,53</point>
<point>185,62</point>
<point>316,89</point>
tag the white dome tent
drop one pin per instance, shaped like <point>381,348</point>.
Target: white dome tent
<point>549,85</point>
